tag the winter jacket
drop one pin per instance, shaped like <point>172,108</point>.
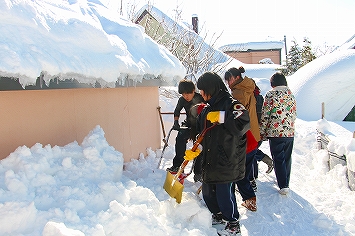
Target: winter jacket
<point>278,114</point>
<point>243,91</point>
<point>224,146</point>
<point>183,104</point>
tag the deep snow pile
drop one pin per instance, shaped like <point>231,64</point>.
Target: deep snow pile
<point>83,39</point>
<point>329,79</point>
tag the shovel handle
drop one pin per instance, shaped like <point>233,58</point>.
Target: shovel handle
<point>194,147</point>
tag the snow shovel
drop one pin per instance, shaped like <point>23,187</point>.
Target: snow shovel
<point>166,143</point>
<point>174,183</point>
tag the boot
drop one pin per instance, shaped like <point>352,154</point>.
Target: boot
<point>269,162</point>
<point>250,204</point>
<point>217,219</point>
<point>232,228</point>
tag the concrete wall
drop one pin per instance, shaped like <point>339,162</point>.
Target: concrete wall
<point>128,117</point>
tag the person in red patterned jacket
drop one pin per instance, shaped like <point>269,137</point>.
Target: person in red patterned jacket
<point>277,125</point>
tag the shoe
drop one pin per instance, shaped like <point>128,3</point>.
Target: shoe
<point>173,169</point>
<point>198,178</point>
<point>250,204</point>
<point>232,228</point>
<point>217,219</point>
<point>253,185</point>
<point>269,162</point>
<point>284,191</point>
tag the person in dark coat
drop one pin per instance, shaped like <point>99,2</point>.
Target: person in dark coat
<point>189,97</point>
<point>224,148</point>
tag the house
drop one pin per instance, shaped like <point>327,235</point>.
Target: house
<point>254,52</point>
<point>61,78</point>
<point>162,28</point>
<point>181,38</point>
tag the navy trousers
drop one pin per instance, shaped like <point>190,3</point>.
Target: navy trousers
<point>281,151</point>
<point>180,147</point>
<point>244,187</point>
<point>221,198</point>
<point>259,155</point>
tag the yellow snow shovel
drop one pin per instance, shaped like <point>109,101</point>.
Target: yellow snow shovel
<point>174,183</point>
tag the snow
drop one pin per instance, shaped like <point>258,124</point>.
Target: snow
<point>87,189</point>
<point>80,39</point>
<point>253,46</point>
<point>329,79</point>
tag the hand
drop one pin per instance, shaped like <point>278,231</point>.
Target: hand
<point>190,155</point>
<point>176,125</point>
<point>216,116</point>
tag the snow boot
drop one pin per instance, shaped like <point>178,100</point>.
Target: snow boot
<point>232,228</point>
<point>217,219</point>
<point>250,204</point>
<point>269,162</point>
<point>284,191</point>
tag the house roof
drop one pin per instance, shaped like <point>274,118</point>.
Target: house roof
<point>348,44</point>
<point>252,46</point>
<point>225,61</point>
<point>84,40</point>
<point>181,28</point>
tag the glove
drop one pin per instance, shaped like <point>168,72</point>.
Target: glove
<point>176,125</point>
<point>216,116</point>
<point>190,155</point>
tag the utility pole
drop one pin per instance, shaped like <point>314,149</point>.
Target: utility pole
<point>285,45</point>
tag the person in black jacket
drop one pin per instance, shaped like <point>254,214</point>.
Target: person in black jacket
<point>188,99</point>
<point>224,148</point>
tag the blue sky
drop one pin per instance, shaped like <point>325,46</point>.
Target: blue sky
<point>327,22</point>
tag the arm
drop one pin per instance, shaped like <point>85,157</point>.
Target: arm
<point>265,114</point>
<point>237,119</point>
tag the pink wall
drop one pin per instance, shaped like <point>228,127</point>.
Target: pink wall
<point>128,117</point>
<point>254,57</point>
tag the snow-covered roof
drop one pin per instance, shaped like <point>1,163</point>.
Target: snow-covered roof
<point>348,44</point>
<point>329,79</point>
<point>179,27</point>
<point>83,39</point>
<point>243,47</point>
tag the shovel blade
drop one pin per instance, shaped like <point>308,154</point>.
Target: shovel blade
<point>173,187</point>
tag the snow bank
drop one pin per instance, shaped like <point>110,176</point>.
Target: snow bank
<point>329,79</point>
<point>78,39</point>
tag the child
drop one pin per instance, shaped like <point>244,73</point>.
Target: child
<point>223,153</point>
<point>188,99</point>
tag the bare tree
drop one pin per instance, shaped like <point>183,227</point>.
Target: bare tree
<point>191,49</point>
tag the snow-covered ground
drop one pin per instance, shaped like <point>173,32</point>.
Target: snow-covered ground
<point>80,189</point>
<point>84,188</point>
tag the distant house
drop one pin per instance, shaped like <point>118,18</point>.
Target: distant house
<point>254,52</point>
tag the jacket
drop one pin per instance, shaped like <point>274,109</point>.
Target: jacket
<point>224,146</point>
<point>278,114</point>
<point>243,91</point>
<point>183,104</point>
